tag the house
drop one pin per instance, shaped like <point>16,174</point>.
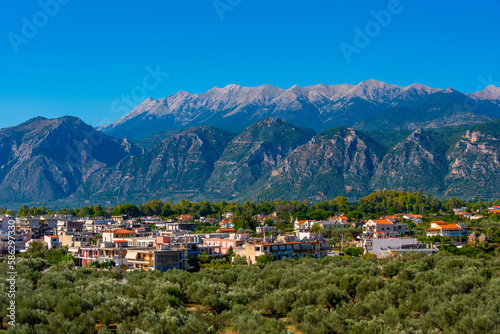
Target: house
<point>333,225</point>
<point>228,215</point>
<point>383,228</point>
<point>458,210</point>
<point>444,229</point>
<point>299,225</point>
<point>417,219</point>
<point>339,219</point>
<point>358,223</point>
<point>262,219</point>
<point>476,216</point>
<point>211,221</point>
<point>185,218</point>
<point>227,223</point>
<point>494,209</point>
<point>465,214</point>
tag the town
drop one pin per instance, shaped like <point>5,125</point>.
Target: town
<point>125,243</point>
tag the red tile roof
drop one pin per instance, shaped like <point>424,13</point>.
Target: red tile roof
<point>383,222</point>
<point>439,222</point>
<point>450,227</point>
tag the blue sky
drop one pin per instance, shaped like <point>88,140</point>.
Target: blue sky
<point>86,55</point>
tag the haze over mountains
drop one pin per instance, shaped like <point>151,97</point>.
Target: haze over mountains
<point>413,138</point>
<point>370,105</point>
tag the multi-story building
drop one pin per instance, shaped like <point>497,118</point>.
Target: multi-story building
<point>75,240</point>
<point>383,228</point>
<point>36,227</point>
<point>281,248</point>
<point>21,239</point>
<point>109,236</point>
<point>51,241</point>
<point>157,259</point>
<point>4,223</point>
<point>184,227</point>
<point>232,241</point>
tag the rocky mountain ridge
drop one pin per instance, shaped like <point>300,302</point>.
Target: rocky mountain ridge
<point>66,160</point>
<point>320,107</point>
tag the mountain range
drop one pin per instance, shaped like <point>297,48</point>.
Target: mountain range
<point>65,160</point>
<point>412,138</point>
<point>370,106</point>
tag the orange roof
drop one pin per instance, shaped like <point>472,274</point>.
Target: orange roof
<point>52,236</point>
<point>120,241</point>
<point>123,231</point>
<point>226,230</point>
<point>301,221</point>
<point>450,227</point>
<point>445,227</point>
<point>414,216</point>
<point>383,222</point>
<point>495,211</point>
<point>439,222</point>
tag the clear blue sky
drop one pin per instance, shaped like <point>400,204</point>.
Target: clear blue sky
<point>90,53</point>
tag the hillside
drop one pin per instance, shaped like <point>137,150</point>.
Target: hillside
<point>68,161</point>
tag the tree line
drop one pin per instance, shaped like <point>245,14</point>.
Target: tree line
<point>371,206</point>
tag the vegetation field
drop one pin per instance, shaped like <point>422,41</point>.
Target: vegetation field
<point>416,293</point>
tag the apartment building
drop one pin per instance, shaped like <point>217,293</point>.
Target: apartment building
<point>280,248</point>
